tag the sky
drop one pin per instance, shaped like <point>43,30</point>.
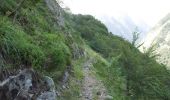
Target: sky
<point>148,11</point>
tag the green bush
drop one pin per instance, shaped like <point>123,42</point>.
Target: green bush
<point>60,56</point>
<point>11,6</point>
<point>7,5</point>
<point>57,53</point>
<point>17,47</point>
<point>33,21</point>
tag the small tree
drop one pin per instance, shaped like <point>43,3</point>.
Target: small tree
<point>135,35</point>
<point>135,38</point>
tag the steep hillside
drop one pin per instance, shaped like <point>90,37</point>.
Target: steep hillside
<point>47,53</point>
<point>31,39</point>
<point>159,36</point>
<point>126,72</point>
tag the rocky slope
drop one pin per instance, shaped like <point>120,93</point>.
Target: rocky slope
<point>27,85</point>
<point>26,82</point>
<point>159,36</point>
<point>45,54</point>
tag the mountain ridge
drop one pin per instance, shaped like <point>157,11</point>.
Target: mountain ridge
<point>159,36</point>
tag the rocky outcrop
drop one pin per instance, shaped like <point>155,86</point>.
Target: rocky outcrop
<point>27,85</point>
<point>78,52</point>
<point>56,10</point>
<point>159,37</point>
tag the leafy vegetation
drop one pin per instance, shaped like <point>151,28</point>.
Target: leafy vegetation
<point>32,40</point>
<point>29,37</point>
<point>16,46</point>
<point>130,74</point>
<point>73,93</point>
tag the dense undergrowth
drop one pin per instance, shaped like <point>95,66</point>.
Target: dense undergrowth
<point>29,37</point>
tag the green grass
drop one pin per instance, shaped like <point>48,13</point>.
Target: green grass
<point>30,37</point>
<point>32,40</point>
<point>17,46</point>
<point>75,82</point>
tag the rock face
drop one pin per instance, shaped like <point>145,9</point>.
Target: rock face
<point>57,12</point>
<point>108,97</point>
<point>27,85</point>
<point>160,37</point>
<point>55,8</point>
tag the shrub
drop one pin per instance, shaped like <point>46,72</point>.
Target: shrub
<point>60,56</point>
<point>57,53</point>
<point>7,5</point>
<point>16,46</point>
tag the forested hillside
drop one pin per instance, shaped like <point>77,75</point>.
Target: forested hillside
<point>43,38</point>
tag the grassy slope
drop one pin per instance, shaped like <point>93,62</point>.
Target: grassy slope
<point>127,72</point>
<point>32,39</point>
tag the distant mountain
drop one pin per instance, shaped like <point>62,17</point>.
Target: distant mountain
<point>124,26</point>
<point>160,37</point>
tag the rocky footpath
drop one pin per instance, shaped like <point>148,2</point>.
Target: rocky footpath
<point>27,85</point>
<point>93,89</point>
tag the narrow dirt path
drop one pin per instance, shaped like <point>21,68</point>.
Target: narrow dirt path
<point>93,89</point>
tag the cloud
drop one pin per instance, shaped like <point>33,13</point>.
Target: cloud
<point>149,11</point>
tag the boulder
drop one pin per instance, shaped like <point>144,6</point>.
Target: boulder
<point>27,85</point>
<point>108,97</point>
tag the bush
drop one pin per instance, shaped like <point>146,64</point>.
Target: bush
<point>57,53</point>
<point>16,46</point>
<point>7,5</point>
<point>60,56</point>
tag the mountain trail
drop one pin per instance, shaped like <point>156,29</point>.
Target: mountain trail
<point>93,89</point>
